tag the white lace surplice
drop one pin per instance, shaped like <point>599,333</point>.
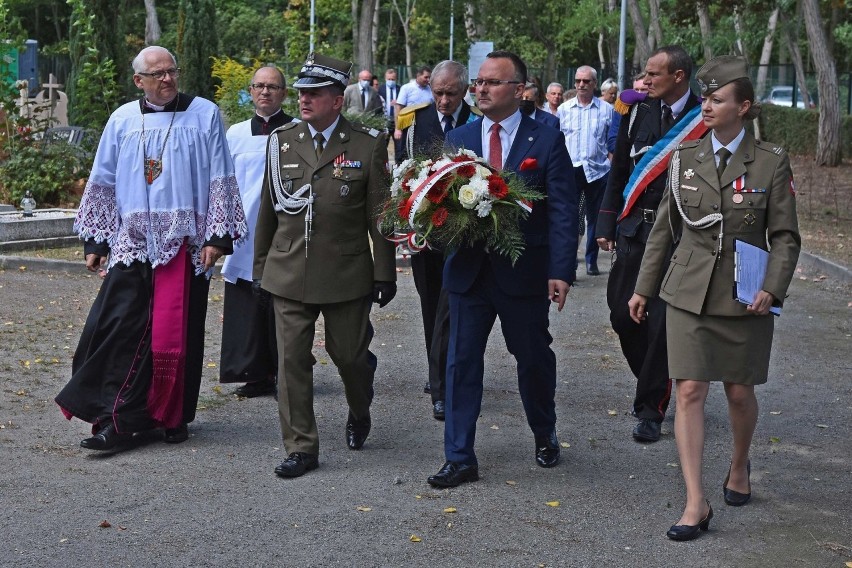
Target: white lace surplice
<point>195,197</point>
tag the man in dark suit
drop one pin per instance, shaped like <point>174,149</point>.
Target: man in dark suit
<point>424,127</point>
<point>528,108</point>
<point>388,92</point>
<point>644,345</point>
<point>325,182</point>
<point>483,285</point>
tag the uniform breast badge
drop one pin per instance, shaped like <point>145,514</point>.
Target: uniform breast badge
<point>285,147</point>
<point>344,190</point>
<point>338,166</point>
<point>749,218</point>
<point>737,198</point>
<point>689,174</point>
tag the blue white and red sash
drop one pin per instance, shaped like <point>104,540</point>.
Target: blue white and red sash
<point>656,160</point>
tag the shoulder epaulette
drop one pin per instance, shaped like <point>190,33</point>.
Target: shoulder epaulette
<point>626,99</point>
<point>475,110</point>
<point>689,144</point>
<point>365,129</point>
<point>769,147</point>
<point>406,115</point>
<point>284,127</point>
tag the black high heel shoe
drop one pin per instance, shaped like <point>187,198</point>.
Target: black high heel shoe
<point>691,532</point>
<point>735,498</point>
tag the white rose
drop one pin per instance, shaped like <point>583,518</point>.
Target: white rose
<point>468,196</point>
<point>482,171</point>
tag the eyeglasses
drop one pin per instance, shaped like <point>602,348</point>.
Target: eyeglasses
<point>584,81</point>
<point>261,86</point>
<point>494,82</point>
<point>160,75</point>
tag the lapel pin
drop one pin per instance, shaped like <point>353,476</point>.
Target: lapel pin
<point>689,174</point>
<point>301,135</point>
<point>285,147</point>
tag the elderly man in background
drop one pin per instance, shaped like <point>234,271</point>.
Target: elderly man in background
<point>249,353</point>
<point>585,121</point>
<point>528,107</point>
<point>553,98</point>
<point>160,207</point>
<point>424,127</point>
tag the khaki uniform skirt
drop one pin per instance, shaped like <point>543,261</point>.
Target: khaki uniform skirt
<point>733,349</point>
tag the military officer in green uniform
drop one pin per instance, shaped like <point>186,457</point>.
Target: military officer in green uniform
<point>325,181</point>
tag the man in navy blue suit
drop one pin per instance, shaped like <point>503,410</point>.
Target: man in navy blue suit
<point>528,108</point>
<point>483,284</point>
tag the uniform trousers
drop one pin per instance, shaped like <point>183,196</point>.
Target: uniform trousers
<point>348,333</point>
<point>524,322</point>
<point>644,344</point>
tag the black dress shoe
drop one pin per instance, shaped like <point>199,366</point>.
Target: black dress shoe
<point>690,532</point>
<point>647,431</point>
<point>357,431</point>
<point>592,270</point>
<point>547,450</point>
<point>297,464</point>
<point>257,388</point>
<point>453,474</point>
<point>107,438</point>
<point>177,435</point>
<point>438,410</point>
<point>735,498</point>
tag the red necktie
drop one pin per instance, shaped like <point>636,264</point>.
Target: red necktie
<point>495,148</point>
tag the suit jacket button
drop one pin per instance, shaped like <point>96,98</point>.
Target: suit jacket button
<point>751,202</point>
<point>714,237</point>
<point>712,253</point>
<point>715,207</point>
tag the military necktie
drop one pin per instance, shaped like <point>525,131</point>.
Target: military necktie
<point>320,139</point>
<point>448,123</point>
<point>724,154</point>
<point>667,119</point>
<point>495,148</point>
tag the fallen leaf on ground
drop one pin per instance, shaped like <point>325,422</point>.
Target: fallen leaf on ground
<point>822,425</point>
<point>414,538</point>
<point>364,509</point>
<point>612,412</point>
<point>217,389</point>
<point>672,464</point>
<point>510,482</point>
<point>774,440</point>
<point>450,510</point>
<point>211,365</point>
<point>565,444</point>
<point>552,503</point>
<point>105,525</point>
<point>774,412</point>
<point>495,427</point>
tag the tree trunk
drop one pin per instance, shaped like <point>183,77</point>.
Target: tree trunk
<point>655,34</point>
<point>796,57</point>
<point>828,141</point>
<point>472,27</point>
<point>706,31</point>
<point>766,54</point>
<point>601,57</point>
<point>405,20</point>
<point>738,28</point>
<point>642,49</point>
<point>152,24</point>
<point>375,35</point>
<point>356,31</point>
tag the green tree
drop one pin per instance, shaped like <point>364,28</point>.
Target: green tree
<point>197,44</point>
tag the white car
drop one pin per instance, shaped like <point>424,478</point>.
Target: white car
<point>783,96</point>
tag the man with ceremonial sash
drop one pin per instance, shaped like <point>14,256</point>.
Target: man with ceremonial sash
<point>650,129</point>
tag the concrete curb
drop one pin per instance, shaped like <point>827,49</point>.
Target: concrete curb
<point>812,262</point>
<point>15,262</point>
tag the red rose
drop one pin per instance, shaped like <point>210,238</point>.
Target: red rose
<point>439,190</point>
<point>529,164</point>
<point>466,171</point>
<point>439,216</point>
<point>497,187</point>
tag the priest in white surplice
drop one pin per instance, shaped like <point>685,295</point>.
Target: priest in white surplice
<point>160,207</point>
<point>249,352</point>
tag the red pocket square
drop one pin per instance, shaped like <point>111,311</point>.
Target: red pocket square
<point>529,164</point>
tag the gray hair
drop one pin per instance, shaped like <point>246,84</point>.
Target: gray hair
<point>554,84</point>
<point>531,87</point>
<point>453,69</point>
<point>590,70</point>
<point>140,64</point>
<point>608,84</point>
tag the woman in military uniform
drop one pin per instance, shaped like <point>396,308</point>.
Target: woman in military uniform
<point>725,187</point>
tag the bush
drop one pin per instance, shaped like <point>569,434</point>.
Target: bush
<point>796,130</point>
<point>49,171</point>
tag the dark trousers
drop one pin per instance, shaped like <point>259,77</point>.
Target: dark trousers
<point>524,322</point>
<point>427,267</point>
<point>593,191</point>
<point>249,352</point>
<point>644,344</point>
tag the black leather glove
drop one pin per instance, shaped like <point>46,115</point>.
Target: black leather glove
<point>260,294</point>
<point>383,293</point>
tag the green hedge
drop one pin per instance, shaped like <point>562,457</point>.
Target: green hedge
<point>795,130</point>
